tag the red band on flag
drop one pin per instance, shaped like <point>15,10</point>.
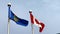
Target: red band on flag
<point>32,18</point>
<point>42,27</point>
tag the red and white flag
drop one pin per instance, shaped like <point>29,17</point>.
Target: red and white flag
<point>36,22</point>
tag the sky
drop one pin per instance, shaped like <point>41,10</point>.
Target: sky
<point>47,11</point>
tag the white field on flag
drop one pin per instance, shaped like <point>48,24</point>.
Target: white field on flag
<point>36,23</point>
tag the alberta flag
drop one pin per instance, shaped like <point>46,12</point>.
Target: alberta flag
<point>16,19</point>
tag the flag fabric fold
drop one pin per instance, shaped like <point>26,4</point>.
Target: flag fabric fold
<point>40,24</point>
<point>16,19</point>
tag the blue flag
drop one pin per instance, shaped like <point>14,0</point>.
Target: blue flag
<point>16,19</point>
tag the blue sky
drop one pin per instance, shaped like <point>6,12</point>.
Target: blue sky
<point>47,11</point>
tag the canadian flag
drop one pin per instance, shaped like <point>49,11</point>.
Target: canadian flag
<point>36,22</point>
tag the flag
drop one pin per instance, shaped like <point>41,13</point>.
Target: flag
<point>40,24</point>
<point>16,19</point>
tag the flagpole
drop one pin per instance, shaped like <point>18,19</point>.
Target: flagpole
<point>8,26</point>
<point>32,28</point>
<point>32,24</point>
<point>9,5</point>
